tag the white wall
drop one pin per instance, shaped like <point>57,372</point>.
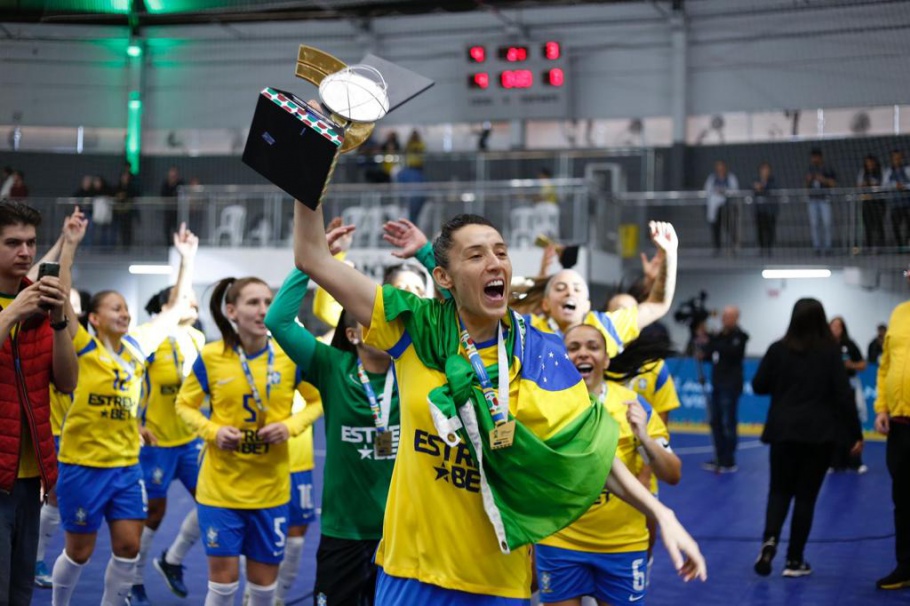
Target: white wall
<point>766,305</point>
<point>764,54</point>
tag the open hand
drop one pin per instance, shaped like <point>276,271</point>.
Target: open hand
<point>405,236</point>
<point>338,236</point>
<point>664,236</point>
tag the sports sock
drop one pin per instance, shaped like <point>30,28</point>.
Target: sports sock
<point>65,576</point>
<point>50,522</point>
<point>290,566</point>
<point>261,595</point>
<point>145,543</point>
<point>187,537</point>
<point>221,594</point>
<point>118,580</point>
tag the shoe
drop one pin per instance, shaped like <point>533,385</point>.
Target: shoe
<point>727,469</point>
<point>138,596</point>
<point>795,569</point>
<point>172,573</point>
<point>710,466</point>
<point>898,579</point>
<point>767,553</point>
<point>42,576</point>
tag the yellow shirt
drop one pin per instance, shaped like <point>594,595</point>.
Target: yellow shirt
<point>618,327</point>
<point>656,386</point>
<point>101,427</point>
<point>60,405</point>
<point>893,382</point>
<point>612,525</point>
<point>435,529</point>
<point>257,475</point>
<point>300,447</point>
<point>164,374</point>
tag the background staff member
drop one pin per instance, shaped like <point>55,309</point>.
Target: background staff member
<point>244,481</point>
<point>35,352</point>
<point>100,475</point>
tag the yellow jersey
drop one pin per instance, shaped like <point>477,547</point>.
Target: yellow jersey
<point>101,428</point>
<point>164,374</point>
<point>618,327</point>
<point>612,525</point>
<point>60,404</point>
<point>300,448</point>
<point>893,380</point>
<point>435,529</point>
<point>257,474</point>
<point>656,386</point>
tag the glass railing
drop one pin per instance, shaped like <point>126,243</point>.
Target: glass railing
<point>782,223</point>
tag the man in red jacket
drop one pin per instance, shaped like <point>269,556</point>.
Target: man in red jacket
<point>35,350</point>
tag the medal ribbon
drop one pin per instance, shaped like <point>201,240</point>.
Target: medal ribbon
<point>497,404</point>
<point>380,410</point>
<point>270,369</point>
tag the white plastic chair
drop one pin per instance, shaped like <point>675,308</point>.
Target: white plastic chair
<point>521,226</point>
<point>233,219</point>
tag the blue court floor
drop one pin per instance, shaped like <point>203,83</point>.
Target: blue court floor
<point>851,544</point>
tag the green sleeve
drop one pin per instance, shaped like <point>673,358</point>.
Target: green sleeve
<point>426,258</point>
<point>281,320</point>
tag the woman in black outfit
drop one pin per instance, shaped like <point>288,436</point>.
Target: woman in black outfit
<point>811,408</point>
<point>873,206</point>
<point>853,363</point>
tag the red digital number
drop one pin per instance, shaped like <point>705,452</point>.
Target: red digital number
<point>516,54</point>
<point>480,80</point>
<point>477,54</point>
<point>517,78</point>
<point>555,77</point>
<point>552,51</point>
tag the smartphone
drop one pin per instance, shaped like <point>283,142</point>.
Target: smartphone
<point>49,269</point>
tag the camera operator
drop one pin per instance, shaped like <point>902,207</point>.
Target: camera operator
<point>725,350</point>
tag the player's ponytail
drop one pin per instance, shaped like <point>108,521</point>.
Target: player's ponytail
<point>216,306</point>
<point>639,356</point>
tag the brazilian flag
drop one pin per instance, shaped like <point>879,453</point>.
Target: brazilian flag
<point>542,483</point>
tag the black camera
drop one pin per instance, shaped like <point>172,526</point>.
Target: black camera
<point>693,311</point>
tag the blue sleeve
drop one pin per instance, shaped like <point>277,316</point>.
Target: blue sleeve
<point>202,374</point>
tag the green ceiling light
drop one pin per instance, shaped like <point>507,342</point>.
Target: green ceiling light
<point>134,130</point>
<point>134,50</point>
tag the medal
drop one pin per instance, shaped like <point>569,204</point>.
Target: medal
<point>257,397</point>
<point>503,434</point>
<point>382,444</point>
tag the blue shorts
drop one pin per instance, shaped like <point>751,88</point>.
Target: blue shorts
<point>301,507</point>
<point>396,591</point>
<point>615,578</point>
<point>161,464</point>
<point>259,534</point>
<point>85,495</point>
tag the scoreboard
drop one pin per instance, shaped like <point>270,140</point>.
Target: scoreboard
<point>511,81</point>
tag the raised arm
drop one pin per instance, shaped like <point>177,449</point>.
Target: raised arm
<point>355,291</point>
<point>281,320</point>
<point>661,297</point>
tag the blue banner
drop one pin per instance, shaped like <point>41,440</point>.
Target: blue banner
<point>693,389</point>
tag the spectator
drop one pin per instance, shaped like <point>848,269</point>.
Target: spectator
<point>85,188</point>
<point>892,418</point>
<point>820,178</point>
<point>414,151</point>
<point>169,190</point>
<point>547,191</point>
<point>6,182</point>
<point>873,206</point>
<point>720,211</point>
<point>811,407</point>
<point>853,362</point>
<point>125,212</point>
<point>390,150</point>
<point>897,178</point>
<point>766,208</point>
<point>874,351</point>
<point>725,350</point>
<point>19,191</point>
<point>413,173</point>
<point>33,341</point>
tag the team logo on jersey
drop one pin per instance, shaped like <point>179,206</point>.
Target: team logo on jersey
<point>211,537</point>
<point>642,384</point>
<point>321,600</point>
<point>157,475</point>
<point>81,516</point>
<point>275,378</point>
<point>456,466</point>
<point>545,582</point>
